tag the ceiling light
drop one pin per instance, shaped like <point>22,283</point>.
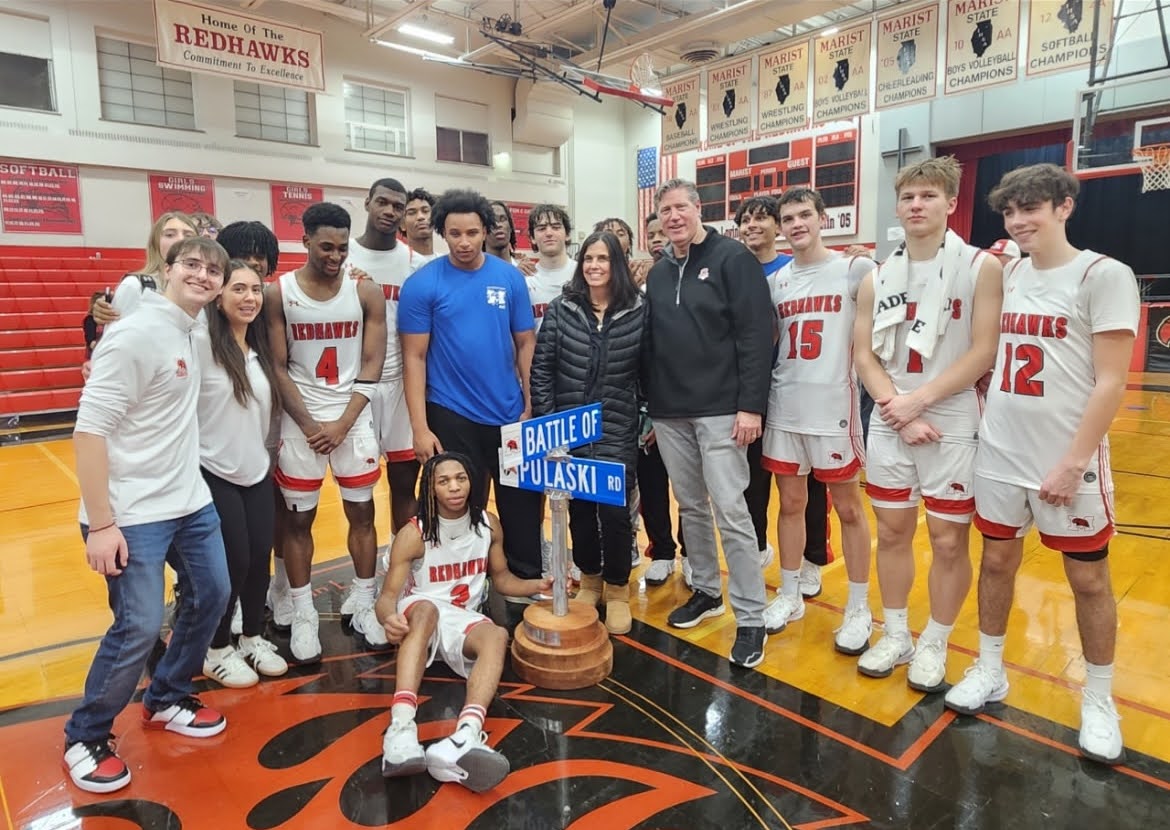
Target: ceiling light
<point>426,34</point>
<point>413,50</point>
<point>649,90</point>
<point>832,30</point>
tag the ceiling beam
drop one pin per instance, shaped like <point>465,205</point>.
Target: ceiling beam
<point>391,21</point>
<point>557,18</point>
<point>344,12</point>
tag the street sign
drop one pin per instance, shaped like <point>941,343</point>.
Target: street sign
<point>603,482</point>
<point>537,437</point>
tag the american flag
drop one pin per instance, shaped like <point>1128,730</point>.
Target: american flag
<point>652,171</point>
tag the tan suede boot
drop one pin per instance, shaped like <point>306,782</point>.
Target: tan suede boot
<point>590,590</point>
<point>617,609</point>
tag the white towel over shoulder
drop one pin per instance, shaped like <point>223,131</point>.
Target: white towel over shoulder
<point>889,308</point>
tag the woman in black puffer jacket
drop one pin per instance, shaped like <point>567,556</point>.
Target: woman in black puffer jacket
<point>588,351</point>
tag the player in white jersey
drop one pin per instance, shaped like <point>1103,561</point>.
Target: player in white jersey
<point>379,255</point>
<point>927,323</point>
<point>430,606</point>
<point>1066,335</point>
<point>813,422</point>
<point>549,228</point>
<point>417,229</point>
<point>328,338</point>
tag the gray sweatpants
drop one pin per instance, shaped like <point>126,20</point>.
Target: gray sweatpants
<point>708,470</point>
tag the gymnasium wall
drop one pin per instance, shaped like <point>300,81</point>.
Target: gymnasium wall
<point>115,158</point>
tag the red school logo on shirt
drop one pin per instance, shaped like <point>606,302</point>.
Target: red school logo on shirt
<point>181,372</point>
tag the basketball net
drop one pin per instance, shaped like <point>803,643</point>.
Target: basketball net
<point>1155,163</point>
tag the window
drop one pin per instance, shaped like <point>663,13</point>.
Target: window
<point>458,137</point>
<point>26,82</point>
<point>376,119</point>
<point>134,88</point>
<point>273,113</point>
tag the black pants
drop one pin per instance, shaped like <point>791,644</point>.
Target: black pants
<point>654,486</point>
<point>246,516</point>
<point>520,510</point>
<point>759,491</point>
<point>816,522</point>
<point>602,536</point>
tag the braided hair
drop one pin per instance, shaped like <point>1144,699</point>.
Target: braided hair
<point>428,502</point>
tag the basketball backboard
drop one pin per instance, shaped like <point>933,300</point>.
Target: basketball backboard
<point>1117,116</point>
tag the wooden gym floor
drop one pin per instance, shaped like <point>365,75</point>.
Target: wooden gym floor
<point>674,738</point>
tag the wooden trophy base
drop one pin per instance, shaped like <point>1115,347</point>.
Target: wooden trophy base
<point>569,652</point>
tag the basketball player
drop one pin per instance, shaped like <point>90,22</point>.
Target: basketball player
<point>501,239</point>
<point>549,228</point>
<point>813,422</point>
<point>1066,334</point>
<point>655,236</point>
<point>416,227</point>
<point>927,324</point>
<point>328,338</point>
<point>430,607</point>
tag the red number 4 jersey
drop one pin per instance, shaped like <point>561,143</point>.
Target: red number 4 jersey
<point>1044,370</point>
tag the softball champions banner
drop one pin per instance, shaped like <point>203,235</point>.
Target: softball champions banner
<point>288,204</point>
<point>680,126</point>
<point>1060,35</point>
<point>782,89</point>
<point>907,56</point>
<point>983,43</point>
<point>220,41</point>
<point>841,70</point>
<point>188,194</point>
<point>39,197</point>
<point>729,103</point>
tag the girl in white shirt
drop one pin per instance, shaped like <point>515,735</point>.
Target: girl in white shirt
<point>236,399</point>
<point>168,229</point>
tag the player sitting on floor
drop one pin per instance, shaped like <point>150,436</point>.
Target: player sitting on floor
<point>439,566</point>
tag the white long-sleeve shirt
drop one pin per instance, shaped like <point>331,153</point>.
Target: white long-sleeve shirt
<point>232,438</point>
<point>142,399</point>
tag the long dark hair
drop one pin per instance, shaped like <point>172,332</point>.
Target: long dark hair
<point>623,293</point>
<point>227,351</point>
<point>428,502</point>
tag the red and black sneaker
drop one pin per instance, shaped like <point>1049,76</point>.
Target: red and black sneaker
<point>187,717</point>
<point>95,767</point>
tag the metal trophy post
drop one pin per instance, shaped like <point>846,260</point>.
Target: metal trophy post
<point>561,644</point>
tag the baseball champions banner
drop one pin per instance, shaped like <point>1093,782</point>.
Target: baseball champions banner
<point>222,41</point>
<point>907,57</point>
<point>680,126</point>
<point>782,89</point>
<point>841,70</point>
<point>983,43</point>
<point>729,103</point>
<point>1060,35</point>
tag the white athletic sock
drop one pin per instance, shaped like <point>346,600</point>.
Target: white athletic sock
<point>790,582</point>
<point>991,651</point>
<point>364,587</point>
<point>302,598</point>
<point>279,575</point>
<point>936,631</point>
<point>404,707</point>
<point>472,716</point>
<point>858,595</point>
<point>1099,679</point>
<point>896,621</point>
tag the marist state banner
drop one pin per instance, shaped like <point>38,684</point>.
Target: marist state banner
<point>220,41</point>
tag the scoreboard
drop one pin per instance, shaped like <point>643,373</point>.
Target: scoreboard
<point>826,161</point>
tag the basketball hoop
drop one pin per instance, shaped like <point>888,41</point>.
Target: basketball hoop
<point>642,74</point>
<point>1155,163</point>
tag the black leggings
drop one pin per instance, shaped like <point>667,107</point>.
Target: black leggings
<point>246,521</point>
<point>654,487</point>
<point>602,535</point>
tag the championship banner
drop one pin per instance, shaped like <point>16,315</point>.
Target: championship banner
<point>39,197</point>
<point>907,57</point>
<point>782,89</point>
<point>221,41</point>
<point>680,126</point>
<point>983,43</point>
<point>1060,34</point>
<point>841,75</point>
<point>186,194</point>
<point>729,103</point>
<point>288,204</point>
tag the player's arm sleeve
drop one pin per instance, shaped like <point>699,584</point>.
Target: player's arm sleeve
<point>542,379</point>
<point>1113,303</point>
<point>119,379</point>
<point>414,306</point>
<point>751,314</point>
<point>859,269</point>
<point>520,304</point>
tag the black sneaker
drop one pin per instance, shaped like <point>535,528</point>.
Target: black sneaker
<point>698,608</point>
<point>748,650</point>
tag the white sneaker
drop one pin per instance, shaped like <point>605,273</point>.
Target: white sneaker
<point>575,574</point>
<point>354,601</point>
<point>262,656</point>
<point>305,640</point>
<point>928,668</point>
<point>383,565</point>
<point>688,577</point>
<point>781,611</point>
<point>1100,738</point>
<point>810,579</point>
<point>891,650</point>
<point>635,554</point>
<point>226,667</point>
<point>402,754</point>
<point>365,622</point>
<point>659,571</point>
<point>854,633</point>
<point>466,758</point>
<point>767,555</point>
<point>980,685</point>
<point>238,620</point>
<point>281,603</point>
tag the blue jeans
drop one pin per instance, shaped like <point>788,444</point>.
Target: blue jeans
<point>136,598</point>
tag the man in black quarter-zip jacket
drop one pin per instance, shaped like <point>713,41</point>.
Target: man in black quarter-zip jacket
<point>708,360</point>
